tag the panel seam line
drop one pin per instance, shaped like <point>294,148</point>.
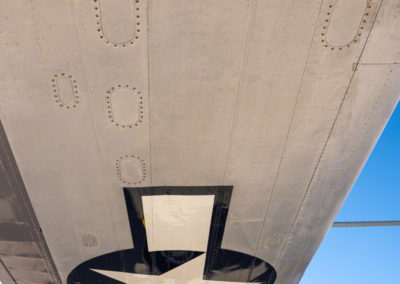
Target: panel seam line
<point>327,140</point>
<point>7,270</point>
<point>148,91</point>
<point>239,86</point>
<point>90,90</point>
<point>289,129</point>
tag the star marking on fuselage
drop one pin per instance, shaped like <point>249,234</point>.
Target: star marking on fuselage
<point>190,272</point>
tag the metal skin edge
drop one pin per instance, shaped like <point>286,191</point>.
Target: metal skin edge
<point>13,176</point>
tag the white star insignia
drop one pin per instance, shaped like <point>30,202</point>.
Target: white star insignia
<point>190,272</point>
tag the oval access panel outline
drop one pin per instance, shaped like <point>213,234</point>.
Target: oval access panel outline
<point>65,90</point>
<point>118,22</point>
<point>345,22</point>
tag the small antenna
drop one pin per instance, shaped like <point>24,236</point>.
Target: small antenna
<point>367,224</point>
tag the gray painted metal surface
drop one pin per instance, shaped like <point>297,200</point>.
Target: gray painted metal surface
<point>284,100</point>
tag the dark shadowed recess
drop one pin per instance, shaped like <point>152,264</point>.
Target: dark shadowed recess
<point>20,233</point>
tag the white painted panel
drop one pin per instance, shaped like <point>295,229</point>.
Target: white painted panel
<point>178,222</point>
<point>196,50</point>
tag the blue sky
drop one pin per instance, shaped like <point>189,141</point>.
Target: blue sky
<point>371,254</point>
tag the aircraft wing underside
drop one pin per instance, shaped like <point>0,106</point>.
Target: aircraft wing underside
<point>269,108</point>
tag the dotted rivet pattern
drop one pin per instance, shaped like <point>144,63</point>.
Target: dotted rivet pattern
<point>137,28</point>
<point>327,19</point>
<point>89,240</point>
<point>110,109</point>
<point>118,169</point>
<point>56,93</point>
